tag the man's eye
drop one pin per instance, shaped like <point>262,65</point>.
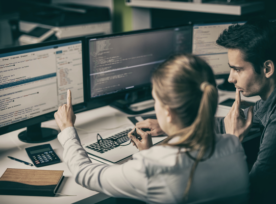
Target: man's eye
<point>237,70</point>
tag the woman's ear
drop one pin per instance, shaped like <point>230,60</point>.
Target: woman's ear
<point>268,68</point>
<point>168,114</point>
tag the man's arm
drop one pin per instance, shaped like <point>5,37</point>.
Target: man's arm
<point>256,127</point>
<point>263,172</point>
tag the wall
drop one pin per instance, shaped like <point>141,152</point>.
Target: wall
<point>161,17</point>
<point>122,17</point>
<point>106,3</point>
<point>121,14</point>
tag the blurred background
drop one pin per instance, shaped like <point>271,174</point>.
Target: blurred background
<point>57,19</point>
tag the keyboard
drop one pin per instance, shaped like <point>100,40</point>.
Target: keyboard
<point>123,138</point>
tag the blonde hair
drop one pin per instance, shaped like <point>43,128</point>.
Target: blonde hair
<point>186,84</point>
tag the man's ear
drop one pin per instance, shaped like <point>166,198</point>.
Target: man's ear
<point>269,68</point>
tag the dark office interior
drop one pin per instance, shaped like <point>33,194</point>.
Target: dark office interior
<point>121,18</point>
<point>10,12</point>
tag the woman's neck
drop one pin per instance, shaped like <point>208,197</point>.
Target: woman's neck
<point>174,128</point>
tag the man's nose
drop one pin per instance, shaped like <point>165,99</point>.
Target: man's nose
<point>231,78</point>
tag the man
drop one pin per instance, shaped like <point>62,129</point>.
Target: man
<point>252,59</point>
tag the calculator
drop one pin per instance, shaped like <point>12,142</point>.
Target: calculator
<point>42,155</point>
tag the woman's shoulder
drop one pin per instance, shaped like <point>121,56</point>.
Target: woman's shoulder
<point>159,155</point>
<point>227,144</point>
<point>227,139</point>
<point>158,151</point>
<point>163,155</point>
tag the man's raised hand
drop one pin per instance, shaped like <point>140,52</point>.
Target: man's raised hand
<point>235,121</point>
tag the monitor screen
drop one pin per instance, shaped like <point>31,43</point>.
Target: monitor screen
<point>125,61</point>
<point>34,81</point>
<point>204,45</point>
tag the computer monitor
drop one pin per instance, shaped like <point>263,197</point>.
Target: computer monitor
<point>204,45</point>
<point>123,63</point>
<point>33,84</point>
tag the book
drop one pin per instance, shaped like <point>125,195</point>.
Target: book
<point>30,182</point>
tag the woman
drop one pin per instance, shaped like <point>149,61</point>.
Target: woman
<point>193,165</point>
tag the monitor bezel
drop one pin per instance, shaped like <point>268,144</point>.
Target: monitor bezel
<point>99,101</point>
<point>48,116</point>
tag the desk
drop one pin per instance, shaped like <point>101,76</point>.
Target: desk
<point>104,120</point>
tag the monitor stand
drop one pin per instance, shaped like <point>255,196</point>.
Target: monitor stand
<point>136,102</point>
<point>226,86</point>
<point>37,134</point>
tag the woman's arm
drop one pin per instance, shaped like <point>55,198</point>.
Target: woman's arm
<point>128,180</point>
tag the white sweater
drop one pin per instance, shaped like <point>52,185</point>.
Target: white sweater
<point>155,176</point>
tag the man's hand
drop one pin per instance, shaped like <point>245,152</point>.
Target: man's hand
<point>144,143</point>
<point>152,125</point>
<point>235,122</point>
<point>65,116</point>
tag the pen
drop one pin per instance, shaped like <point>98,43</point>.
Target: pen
<point>136,135</point>
<point>27,163</point>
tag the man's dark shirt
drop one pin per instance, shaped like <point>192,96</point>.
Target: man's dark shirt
<point>263,173</point>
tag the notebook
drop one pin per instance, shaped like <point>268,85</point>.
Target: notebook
<point>30,182</point>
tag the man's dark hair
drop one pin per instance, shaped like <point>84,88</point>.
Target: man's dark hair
<point>256,39</point>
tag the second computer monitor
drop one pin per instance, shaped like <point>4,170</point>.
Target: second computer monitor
<point>204,45</point>
<point>125,61</point>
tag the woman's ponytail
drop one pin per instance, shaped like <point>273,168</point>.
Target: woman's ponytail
<point>203,128</point>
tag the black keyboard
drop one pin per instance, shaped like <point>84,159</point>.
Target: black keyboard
<point>108,146</point>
